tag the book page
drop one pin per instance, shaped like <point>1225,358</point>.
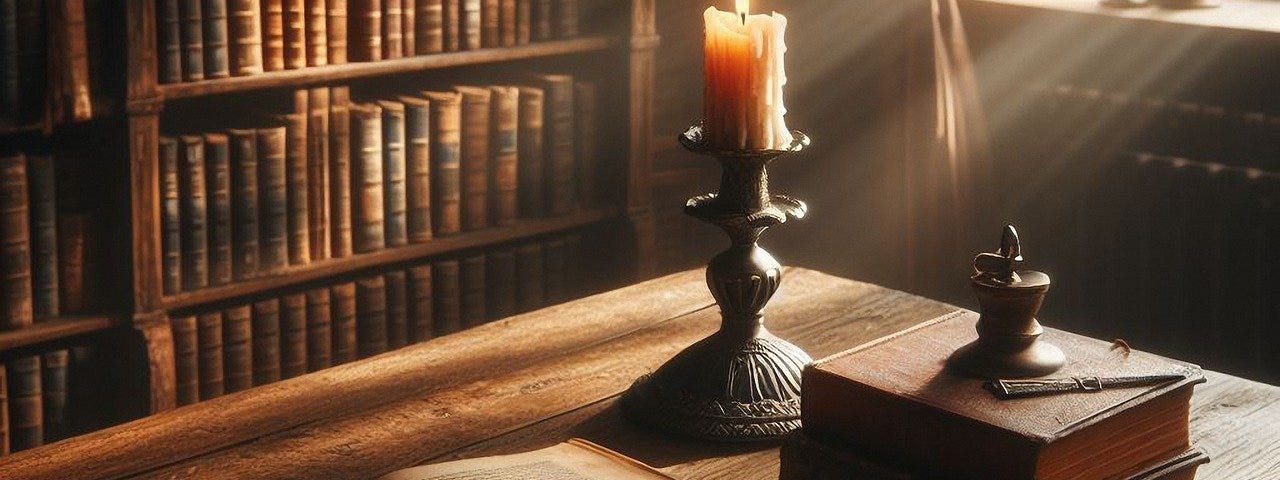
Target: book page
<point>572,460</point>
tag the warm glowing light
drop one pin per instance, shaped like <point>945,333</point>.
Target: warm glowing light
<point>744,7</point>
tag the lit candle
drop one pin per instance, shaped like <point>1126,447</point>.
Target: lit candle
<point>743,106</point>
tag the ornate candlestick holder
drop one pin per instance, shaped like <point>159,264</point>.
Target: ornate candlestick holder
<point>742,383</point>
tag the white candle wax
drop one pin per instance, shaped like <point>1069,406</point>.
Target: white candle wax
<point>744,76</point>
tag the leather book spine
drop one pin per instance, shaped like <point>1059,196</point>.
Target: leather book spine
<point>272,35</point>
<point>297,186</point>
<point>32,60</point>
<point>490,23</point>
<point>421,308</point>
<point>318,155</point>
<point>429,23</point>
<point>72,230</point>
<point>585,97</point>
<point>266,341</point>
<point>317,33</point>
<point>417,130</point>
<point>244,203</point>
<point>217,169</point>
<point>371,316</point>
<point>340,172</point>
<point>452,15</point>
<point>447,296</point>
<point>529,277</point>
<point>473,295</point>
<point>394,198</point>
<point>559,144</point>
<point>26,404</point>
<point>343,299</point>
<point>68,75</point>
<point>319,329</point>
<point>366,177</point>
<point>273,200</point>
<point>446,158</point>
<point>530,185</point>
<point>54,388</point>
<point>244,31</point>
<point>507,23</point>
<point>192,32</point>
<point>500,279</point>
<point>392,29</point>
<point>237,348</point>
<point>504,155</point>
<point>168,43</point>
<point>567,16</point>
<point>293,335</point>
<point>15,245</point>
<point>217,57</point>
<point>476,112</point>
<point>194,212</point>
<point>209,334</point>
<point>44,236</point>
<point>170,216</point>
<point>186,359</point>
<point>543,20</point>
<point>553,255</point>
<point>524,25</point>
<point>294,18</point>
<point>397,309</point>
<point>365,32</point>
<point>470,25</point>
<point>408,28</point>
<point>336,30</point>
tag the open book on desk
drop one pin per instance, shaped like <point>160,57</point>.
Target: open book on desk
<point>575,459</point>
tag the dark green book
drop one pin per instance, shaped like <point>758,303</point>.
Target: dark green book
<point>194,212</point>
<point>217,170</point>
<point>244,203</point>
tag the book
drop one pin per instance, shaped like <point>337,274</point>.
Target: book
<point>217,169</point>
<point>567,18</point>
<point>919,413</point>
<point>209,336</point>
<point>365,30</point>
<point>317,33</point>
<point>542,20</point>
<point>4,407</point>
<point>524,26</point>
<point>191,31</point>
<point>397,309</point>
<point>244,31</point>
<point>297,186</point>
<point>446,295</point>
<point>452,14</point>
<point>342,298</point>
<point>272,15</point>
<point>53,387</point>
<point>529,277</point>
<point>392,29</point>
<point>558,143</point>
<point>26,405</point>
<point>472,282</point>
<point>554,259</point>
<point>168,44</point>
<point>470,25</point>
<point>367,203</point>
<point>68,73</point>
<point>504,155</point>
<point>217,56</point>
<point>340,172</point>
<point>318,160</point>
<point>186,359</point>
<point>490,23</point>
<point>394,200</point>
<point>194,211</point>
<point>500,283</point>
<point>237,348</point>
<point>170,216</point>
<point>408,24</point>
<point>15,246</point>
<point>294,19</point>
<point>476,112</point>
<point>421,311</point>
<point>446,162</point>
<point>417,130</point>
<point>371,316</point>
<point>530,186</point>
<point>244,203</point>
<point>429,26</point>
<point>266,341</point>
<point>575,458</point>
<point>586,150</point>
<point>507,22</point>
<point>273,200</point>
<point>293,335</point>
<point>46,302</point>
<point>73,229</point>
<point>336,31</point>
<point>319,329</point>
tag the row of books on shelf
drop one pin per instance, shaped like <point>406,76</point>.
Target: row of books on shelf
<point>335,178</point>
<point>232,349</point>
<point>208,39</point>
<point>44,62</point>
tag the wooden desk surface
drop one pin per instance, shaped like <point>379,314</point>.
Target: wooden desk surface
<point>536,379</point>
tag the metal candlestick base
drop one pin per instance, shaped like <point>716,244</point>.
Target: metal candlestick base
<point>742,383</point>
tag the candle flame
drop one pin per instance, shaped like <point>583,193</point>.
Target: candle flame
<point>743,7</point>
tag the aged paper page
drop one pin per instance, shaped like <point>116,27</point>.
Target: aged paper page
<point>572,460</point>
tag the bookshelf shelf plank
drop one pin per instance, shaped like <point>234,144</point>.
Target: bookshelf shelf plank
<point>349,71</point>
<point>335,267</point>
<point>56,329</point>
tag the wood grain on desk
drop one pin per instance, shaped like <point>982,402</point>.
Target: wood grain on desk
<point>534,380</point>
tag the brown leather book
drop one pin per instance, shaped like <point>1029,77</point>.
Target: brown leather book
<point>209,334</point>
<point>429,26</point>
<point>294,19</point>
<point>318,202</point>
<point>42,186</point>
<point>244,203</point>
<point>217,170</point>
<point>470,25</point>
<point>543,20</point>
<point>170,216</point>
<point>504,155</point>
<point>244,31</point>
<point>273,199</point>
<point>194,212</point>
<point>529,277</point>
<point>500,280</point>
<point>408,28</point>
<point>53,385</point>
<point>73,230</point>
<point>15,245</point>
<point>26,403</point>
<point>554,258</point>
<point>237,348</point>
<point>446,293</point>
<point>340,172</point>
<point>476,113</point>
<point>4,411</point>
<point>397,309</point>
<point>319,329</point>
<point>392,29</point>
<point>446,162</point>
<point>191,29</point>
<point>524,18</point>
<point>893,401</point>
<point>531,185</point>
<point>317,33</point>
<point>266,341</point>
<point>507,22</point>
<point>417,130</point>
<point>567,18</point>
<point>343,300</point>
<point>297,185</point>
<point>217,56</point>
<point>420,303</point>
<point>293,335</point>
<point>168,44</point>
<point>452,14</point>
<point>365,30</point>
<point>394,201</point>
<point>336,30</point>
<point>558,142</point>
<point>186,359</point>
<point>371,316</point>
<point>367,203</point>
<point>68,61</point>
<point>490,23</point>
<point>586,149</point>
<point>272,34</point>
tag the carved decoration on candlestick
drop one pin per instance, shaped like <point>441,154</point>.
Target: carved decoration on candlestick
<point>742,383</point>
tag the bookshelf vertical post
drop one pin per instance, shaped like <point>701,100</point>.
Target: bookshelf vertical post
<point>643,43</point>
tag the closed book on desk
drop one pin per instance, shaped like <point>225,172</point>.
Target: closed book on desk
<point>476,112</point>
<point>446,158</point>
<point>575,459</point>
<point>894,402</point>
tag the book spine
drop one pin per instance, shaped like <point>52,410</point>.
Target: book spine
<point>192,32</point>
<point>554,256</point>
<point>340,172</point>
<point>567,15</point>
<point>26,405</point>
<point>15,246</point>
<point>194,213</point>
<point>371,316</point>
<point>317,33</point>
<point>392,29</point>
<point>507,22</point>
<point>394,196</point>
<point>217,59</point>
<point>452,15</point>
<point>54,388</point>
<point>295,33</point>
<point>217,168</point>
<point>397,309</point>
<point>473,284</point>
<point>343,298</point>
<point>297,188</point>
<point>446,292</point>
<point>319,329</point>
<point>272,35</point>
<point>429,23</point>
<point>420,303</point>
<point>408,26</point>
<point>476,110</point>
<point>559,144</point>
<point>471,25</point>
<point>266,341</point>
<point>366,30</point>
<point>237,348</point>
<point>244,31</point>
<point>44,236</point>
<point>490,23</point>
<point>244,203</point>
<point>293,335</point>
<point>273,200</point>
<point>585,146</point>
<point>336,29</point>
<point>72,230</point>
<point>417,120</point>
<point>170,216</point>
<point>529,277</point>
<point>524,22</point>
<point>504,156</point>
<point>168,43</point>
<point>446,163</point>
<point>318,157</point>
<point>500,280</point>
<point>69,62</point>
<point>209,335</point>
<point>186,359</point>
<point>4,407</point>
<point>32,59</point>
<point>543,20</point>
<point>366,178</point>
<point>530,185</point>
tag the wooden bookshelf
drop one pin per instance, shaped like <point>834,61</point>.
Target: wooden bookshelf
<point>45,331</point>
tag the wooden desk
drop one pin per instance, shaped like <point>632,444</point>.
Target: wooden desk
<point>536,379</point>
